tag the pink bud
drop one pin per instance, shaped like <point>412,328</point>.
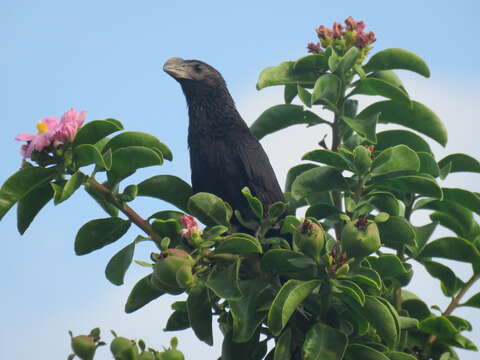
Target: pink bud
<point>190,226</point>
<point>314,48</point>
<point>371,37</point>
<point>337,30</point>
<point>360,26</point>
<point>323,32</point>
<point>351,23</point>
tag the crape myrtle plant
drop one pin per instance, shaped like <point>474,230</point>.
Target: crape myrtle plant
<point>328,285</point>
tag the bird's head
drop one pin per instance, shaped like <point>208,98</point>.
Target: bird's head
<point>194,74</point>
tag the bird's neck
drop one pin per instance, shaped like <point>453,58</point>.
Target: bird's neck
<point>212,113</point>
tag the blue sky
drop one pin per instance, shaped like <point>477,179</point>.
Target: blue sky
<point>106,57</point>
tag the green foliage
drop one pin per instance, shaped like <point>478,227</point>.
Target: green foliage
<point>320,287</point>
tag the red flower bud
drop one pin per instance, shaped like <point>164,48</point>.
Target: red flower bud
<point>360,26</point>
<point>351,23</point>
<point>337,30</point>
<point>362,40</point>
<point>323,32</point>
<point>314,48</point>
<point>371,37</point>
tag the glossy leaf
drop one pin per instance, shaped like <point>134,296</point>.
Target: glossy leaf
<point>378,87</point>
<point>209,209</point>
<point>461,163</point>
<point>200,314</point>
<point>30,205</point>
<point>395,159</point>
<point>364,124</point>
<point>287,262</point>
<point>290,296</point>
<point>453,248</point>
<point>279,117</point>
<point>93,131</point>
<point>286,74</point>
<point>326,91</point>
<point>390,138</point>
<point>98,233</point>
<point>239,244</point>
<point>168,188</point>
<point>126,160</point>
<point>254,203</point>
<point>304,96</point>
<point>474,301</point>
<point>289,93</point>
<point>417,117</point>
<point>294,172</point>
<point>323,342</point>
<point>389,76</point>
<point>119,264</point>
<point>72,184</point>
<point>224,282</point>
<point>310,183</point>
<point>428,165</point>
<point>464,198</point>
<point>363,352</point>
<point>135,138</point>
<point>351,289</point>
<point>439,326</point>
<point>141,294</point>
<point>283,346</point>
<point>314,62</point>
<point>384,201</point>
<point>396,232</point>
<point>327,157</point>
<point>87,154</point>
<point>321,211</point>
<point>450,282</point>
<point>381,319</point>
<point>419,184</point>
<point>396,355</point>
<point>245,311</point>
<point>391,59</point>
<point>348,60</point>
<point>416,308</point>
<point>21,183</point>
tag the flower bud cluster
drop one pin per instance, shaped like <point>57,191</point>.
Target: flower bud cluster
<point>342,38</point>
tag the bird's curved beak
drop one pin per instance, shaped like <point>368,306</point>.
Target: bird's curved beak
<point>175,67</point>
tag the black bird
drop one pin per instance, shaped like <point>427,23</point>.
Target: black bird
<point>224,154</point>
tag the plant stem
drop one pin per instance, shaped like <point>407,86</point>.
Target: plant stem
<point>453,305</point>
<point>125,209</point>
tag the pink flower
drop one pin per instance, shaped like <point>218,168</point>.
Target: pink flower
<point>46,130</point>
<point>360,26</point>
<point>323,32</point>
<point>69,124</point>
<point>351,23</point>
<point>314,48</point>
<point>337,30</point>
<point>52,132</point>
<point>190,226</point>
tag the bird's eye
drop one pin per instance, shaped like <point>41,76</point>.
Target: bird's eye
<point>198,68</point>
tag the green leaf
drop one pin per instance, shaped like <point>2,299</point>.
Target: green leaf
<point>239,244</point>
<point>87,154</point>
<point>391,268</point>
<point>245,311</point>
<point>351,289</point>
<point>254,203</point>
<point>396,232</point>
<point>363,352</point>
<point>384,201</point>
<point>428,165</point>
<point>168,228</point>
<point>418,184</point>
<point>450,282</point>
<point>417,117</point>
<point>290,296</point>
<point>30,205</point>
<point>439,326</point>
<point>408,322</point>
<point>390,138</point>
<point>367,276</point>
<point>98,233</point>
<point>314,62</point>
<point>209,209</point>
<point>283,346</point>
<point>326,91</point>
<point>287,262</point>
<point>381,319</point>
<point>200,314</point>
<point>224,281</point>
<point>294,172</point>
<point>460,163</point>
<point>135,138</point>
<point>72,184</point>
<point>168,188</point>
<point>364,124</point>
<point>416,308</point>
<point>327,157</point>
<point>286,74</point>
<point>126,160</point>
<point>474,301</point>
<point>141,294</point>
<point>279,117</point>
<point>348,60</point>
<point>119,264</point>
<point>93,131</point>
<point>464,198</point>
<point>396,355</point>
<point>21,183</point>
<point>323,342</point>
<point>310,183</point>
<point>453,248</point>
<point>462,342</point>
<point>395,159</point>
<point>304,96</point>
<point>389,76</point>
<point>178,320</point>
<point>391,59</point>
<point>378,87</point>
<point>321,211</point>
<point>290,92</point>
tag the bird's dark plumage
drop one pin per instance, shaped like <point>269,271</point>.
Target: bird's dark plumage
<point>224,155</point>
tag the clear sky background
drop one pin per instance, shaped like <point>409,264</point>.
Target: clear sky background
<point>106,57</point>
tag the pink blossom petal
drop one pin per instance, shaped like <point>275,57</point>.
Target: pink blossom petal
<point>25,137</point>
